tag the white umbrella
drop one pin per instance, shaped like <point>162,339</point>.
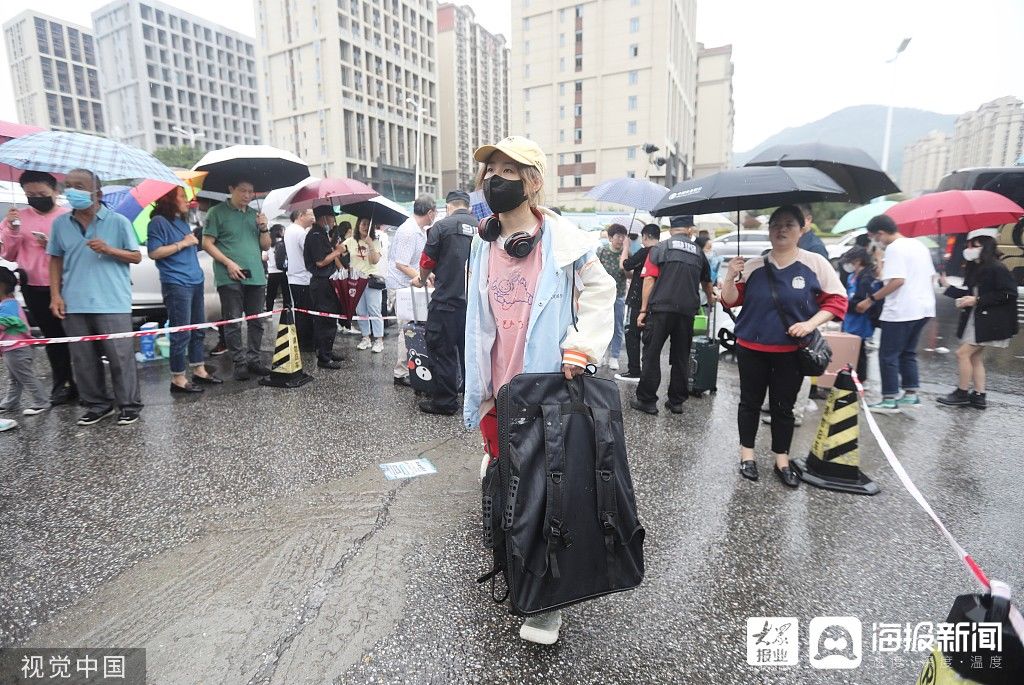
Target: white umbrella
<point>265,166</point>
<point>713,222</point>
<point>276,200</point>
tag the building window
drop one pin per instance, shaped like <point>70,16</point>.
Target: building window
<point>526,117</point>
<point>634,3</point>
<point>561,64</point>
<point>561,89</point>
<point>561,14</point>
<point>526,94</point>
<point>631,102</point>
<point>526,47</point>
<point>630,153</point>
<point>577,181</point>
<point>579,11</point>
<point>577,110</point>
<point>631,128</point>
<point>561,158</point>
<point>579,86</point>
<point>634,78</point>
<point>526,71</point>
<point>577,158</point>
<point>561,135</point>
<point>631,174</point>
<point>561,111</point>
<point>634,50</point>
<point>561,40</point>
<point>578,136</point>
<point>526,23</point>
<point>579,62</point>
<point>634,25</point>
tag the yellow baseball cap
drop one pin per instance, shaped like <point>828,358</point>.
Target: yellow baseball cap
<point>521,149</point>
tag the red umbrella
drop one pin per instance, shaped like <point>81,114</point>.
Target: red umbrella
<point>349,291</point>
<point>331,191</point>
<point>953,211</point>
<point>9,131</point>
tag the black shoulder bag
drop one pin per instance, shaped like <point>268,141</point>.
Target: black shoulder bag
<point>814,354</point>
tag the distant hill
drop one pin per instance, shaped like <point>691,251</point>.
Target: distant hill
<point>862,126</point>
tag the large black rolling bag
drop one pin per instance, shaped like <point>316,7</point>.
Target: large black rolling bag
<point>559,510</point>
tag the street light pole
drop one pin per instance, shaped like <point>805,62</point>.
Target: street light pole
<point>191,133</point>
<point>419,141</point>
<point>888,113</point>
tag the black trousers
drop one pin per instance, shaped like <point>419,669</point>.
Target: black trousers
<point>304,323</point>
<point>632,341</point>
<point>37,299</point>
<point>778,373</point>
<point>277,283</point>
<point>446,346</point>
<point>678,330</point>
<point>322,298</point>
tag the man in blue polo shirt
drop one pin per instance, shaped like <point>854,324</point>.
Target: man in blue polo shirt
<point>90,249</point>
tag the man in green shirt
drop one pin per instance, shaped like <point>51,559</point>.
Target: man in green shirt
<point>611,258</point>
<point>235,236</point>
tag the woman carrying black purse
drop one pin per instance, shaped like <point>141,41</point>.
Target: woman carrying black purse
<point>988,315</point>
<point>786,295</point>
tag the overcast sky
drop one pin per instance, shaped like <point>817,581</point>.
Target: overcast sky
<point>795,60</point>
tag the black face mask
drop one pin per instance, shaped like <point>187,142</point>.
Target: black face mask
<point>503,195</point>
<point>41,204</point>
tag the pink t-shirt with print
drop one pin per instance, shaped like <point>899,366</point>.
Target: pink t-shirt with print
<point>511,289</point>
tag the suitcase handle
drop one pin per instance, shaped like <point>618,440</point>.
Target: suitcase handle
<point>426,296</point>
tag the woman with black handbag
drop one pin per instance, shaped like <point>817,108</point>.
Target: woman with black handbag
<point>786,295</point>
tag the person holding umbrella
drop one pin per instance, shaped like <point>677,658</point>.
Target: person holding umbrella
<point>364,252</point>
<point>786,295</point>
<point>319,255</point>
<point>235,236</point>
<point>171,243</point>
<point>91,291</point>
<point>24,234</point>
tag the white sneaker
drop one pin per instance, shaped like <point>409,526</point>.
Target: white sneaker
<point>364,344</point>
<point>32,411</point>
<point>811,406</point>
<point>613,364</point>
<point>542,628</point>
<point>378,346</point>
<point>7,424</point>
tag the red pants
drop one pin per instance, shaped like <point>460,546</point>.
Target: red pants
<point>489,430</point>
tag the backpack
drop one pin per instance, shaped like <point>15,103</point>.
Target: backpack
<point>558,507</point>
<point>281,256</point>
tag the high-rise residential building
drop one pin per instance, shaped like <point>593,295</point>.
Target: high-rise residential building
<point>992,135</point>
<point>595,81</point>
<point>473,92</point>
<point>716,113</point>
<point>350,87</point>
<point>171,78</point>
<point>54,72</point>
<point>925,162</point>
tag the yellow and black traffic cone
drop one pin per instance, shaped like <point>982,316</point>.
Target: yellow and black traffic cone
<point>286,370</point>
<point>834,461</point>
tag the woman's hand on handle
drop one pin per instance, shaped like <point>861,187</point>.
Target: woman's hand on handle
<point>571,371</point>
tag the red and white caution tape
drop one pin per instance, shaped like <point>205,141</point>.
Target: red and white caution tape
<point>15,344</point>
<point>344,317</point>
<point>994,586</point>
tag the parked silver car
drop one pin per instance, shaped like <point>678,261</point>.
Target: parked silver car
<point>751,243</point>
<point>147,300</point>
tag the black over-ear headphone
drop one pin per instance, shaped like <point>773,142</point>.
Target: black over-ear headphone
<point>518,245</point>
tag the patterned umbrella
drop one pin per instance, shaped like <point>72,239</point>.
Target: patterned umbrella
<point>59,152</point>
<point>137,204</point>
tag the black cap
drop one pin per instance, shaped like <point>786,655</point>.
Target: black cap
<point>457,196</point>
<point>681,221</point>
<point>324,210</point>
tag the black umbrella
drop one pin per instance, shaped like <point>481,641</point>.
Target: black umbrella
<point>266,167</point>
<point>733,190</point>
<point>852,168</point>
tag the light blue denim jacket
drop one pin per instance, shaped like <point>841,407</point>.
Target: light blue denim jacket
<point>570,266</point>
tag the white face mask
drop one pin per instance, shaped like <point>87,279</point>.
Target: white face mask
<point>972,253</point>
<point>848,268</point>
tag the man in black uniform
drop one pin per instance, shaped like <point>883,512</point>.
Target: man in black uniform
<point>445,255</point>
<point>319,255</point>
<point>650,235</point>
<point>674,272</point>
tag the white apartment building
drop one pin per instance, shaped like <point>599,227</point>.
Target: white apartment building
<point>992,135</point>
<point>350,86</point>
<point>171,78</point>
<point>473,92</point>
<point>716,112</point>
<point>54,72</point>
<point>593,81</point>
<point>925,162</point>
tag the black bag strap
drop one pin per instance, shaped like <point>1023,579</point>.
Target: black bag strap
<point>554,451</point>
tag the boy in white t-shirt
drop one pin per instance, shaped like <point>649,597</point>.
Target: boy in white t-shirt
<point>909,295</point>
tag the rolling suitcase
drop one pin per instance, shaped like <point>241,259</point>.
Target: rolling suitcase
<point>558,505</point>
<point>703,372</point>
<point>414,333</point>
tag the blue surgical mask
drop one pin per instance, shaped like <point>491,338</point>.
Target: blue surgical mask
<point>78,199</point>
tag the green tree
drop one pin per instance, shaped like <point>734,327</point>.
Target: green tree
<point>182,156</point>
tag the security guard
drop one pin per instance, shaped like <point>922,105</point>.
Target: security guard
<point>674,272</point>
<point>445,255</point>
<point>320,254</point>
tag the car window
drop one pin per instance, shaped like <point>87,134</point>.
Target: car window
<point>754,237</point>
<point>727,239</point>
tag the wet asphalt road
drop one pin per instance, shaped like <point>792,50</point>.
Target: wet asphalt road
<point>249,536</point>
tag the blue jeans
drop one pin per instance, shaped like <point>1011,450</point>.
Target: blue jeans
<point>619,334</point>
<point>897,356</point>
<point>185,306</point>
<point>369,305</point>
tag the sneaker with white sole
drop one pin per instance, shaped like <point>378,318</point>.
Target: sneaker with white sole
<point>885,406</point>
<point>542,628</point>
<point>7,424</point>
<point>613,364</point>
<point>909,401</point>
<point>32,411</point>
<point>364,344</point>
<point>378,346</point>
<point>627,377</point>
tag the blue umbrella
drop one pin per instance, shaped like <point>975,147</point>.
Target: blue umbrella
<point>114,194</point>
<point>859,217</point>
<point>638,193</point>
<point>59,152</point>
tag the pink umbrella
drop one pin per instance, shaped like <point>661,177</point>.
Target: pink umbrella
<point>331,191</point>
<point>10,130</point>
